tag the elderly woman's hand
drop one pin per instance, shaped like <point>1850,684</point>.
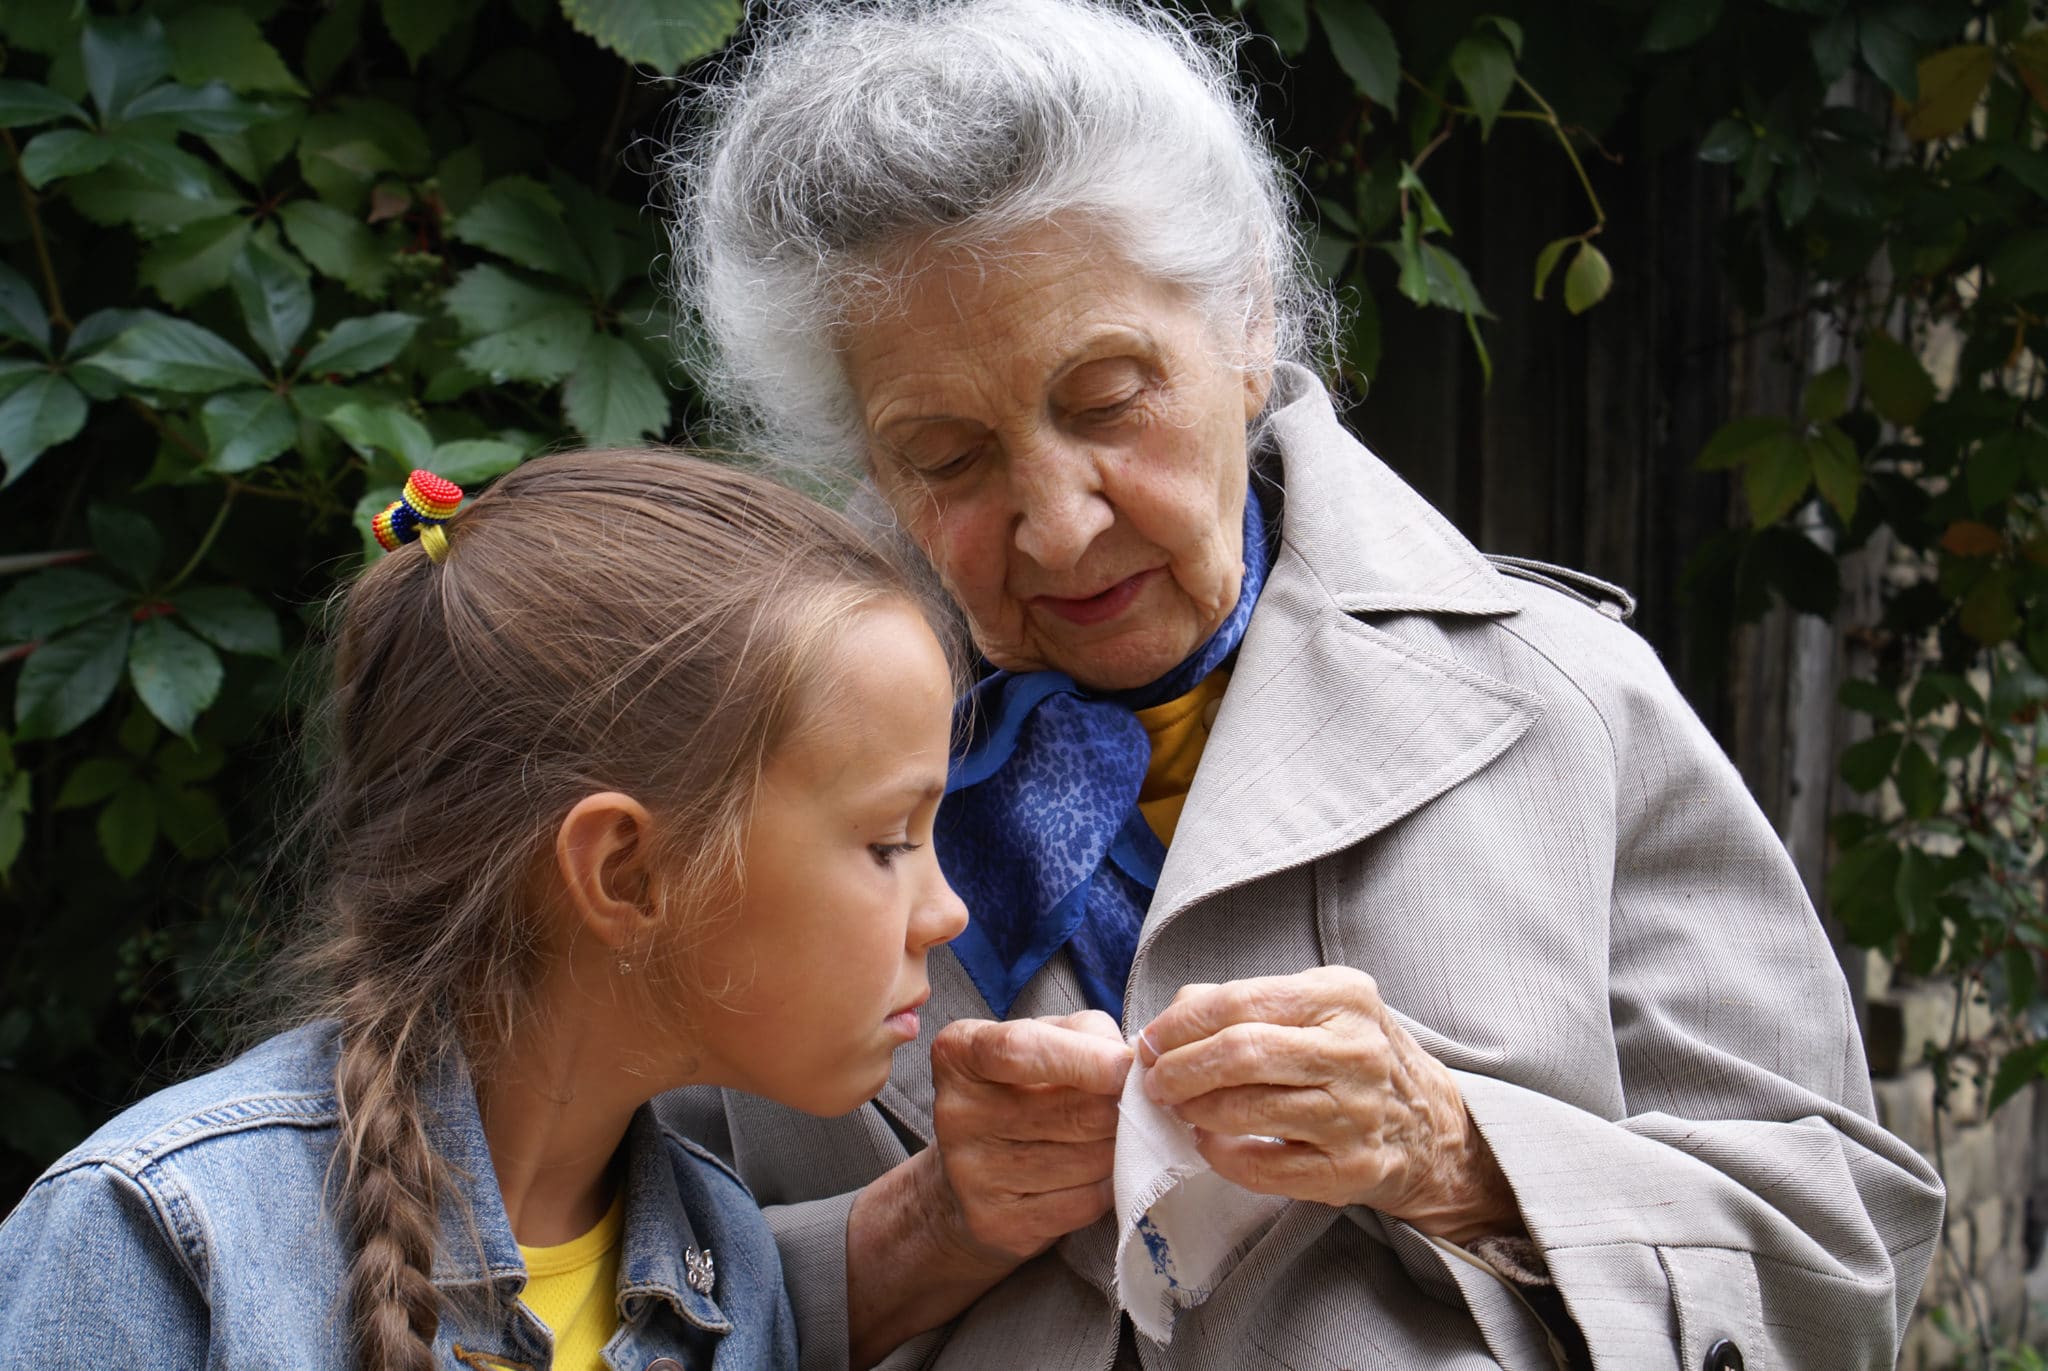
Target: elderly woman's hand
<point>1026,1114</point>
<point>1305,1086</point>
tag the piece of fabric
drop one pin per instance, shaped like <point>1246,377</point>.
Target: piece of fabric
<point>572,1287</point>
<point>196,1228</point>
<point>1178,731</point>
<point>1487,794</point>
<point>1040,831</point>
<point>1180,1226</point>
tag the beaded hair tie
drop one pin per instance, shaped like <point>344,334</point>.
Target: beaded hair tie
<point>429,502</point>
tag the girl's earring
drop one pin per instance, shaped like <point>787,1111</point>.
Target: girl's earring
<point>625,964</point>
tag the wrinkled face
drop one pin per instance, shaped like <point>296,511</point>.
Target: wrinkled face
<point>842,896</point>
<point>1065,439</point>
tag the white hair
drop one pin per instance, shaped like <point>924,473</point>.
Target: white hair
<point>842,139</point>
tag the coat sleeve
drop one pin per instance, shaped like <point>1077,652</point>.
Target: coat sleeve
<point>94,1278</point>
<point>1747,1193</point>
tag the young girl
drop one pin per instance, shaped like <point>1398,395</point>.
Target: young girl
<point>631,786</point>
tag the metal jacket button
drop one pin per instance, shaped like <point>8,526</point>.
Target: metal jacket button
<point>1722,1356</point>
<point>671,1364</point>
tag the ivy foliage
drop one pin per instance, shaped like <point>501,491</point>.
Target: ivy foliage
<point>257,261</point>
<point>1916,205</point>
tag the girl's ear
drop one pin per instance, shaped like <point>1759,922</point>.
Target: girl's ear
<point>603,854</point>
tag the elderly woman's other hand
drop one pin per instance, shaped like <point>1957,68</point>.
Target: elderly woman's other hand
<point>1026,1114</point>
<point>1305,1086</point>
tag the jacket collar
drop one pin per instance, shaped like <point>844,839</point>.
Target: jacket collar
<point>477,1244</point>
<point>1371,542</point>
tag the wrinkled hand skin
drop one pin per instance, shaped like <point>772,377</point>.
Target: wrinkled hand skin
<point>1025,1120</point>
<point>1025,1115</point>
<point>1364,1114</point>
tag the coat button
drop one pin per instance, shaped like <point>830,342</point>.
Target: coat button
<point>1724,1356</point>
<point>671,1364</point>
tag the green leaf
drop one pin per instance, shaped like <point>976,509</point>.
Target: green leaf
<point>64,152</point>
<point>2028,166</point>
<point>276,302</point>
<point>222,43</point>
<point>1862,889</point>
<point>471,461</point>
<point>1988,612</point>
<point>123,58</point>
<point>1506,28</point>
<point>1775,479</point>
<point>39,415</point>
<point>1951,82</point>
<point>522,332</point>
<point>1486,69</point>
<point>1728,141</point>
<point>1733,443</point>
<point>1865,765</point>
<point>232,619</point>
<point>1547,260</point>
<point>612,398</point>
<point>343,150</point>
<point>246,428</point>
<point>361,344</point>
<point>139,731</point>
<point>51,601</point>
<point>162,163</point>
<point>23,103</point>
<point>1921,784</point>
<point>2017,1069</point>
<point>1879,701</point>
<point>382,428</point>
<point>1994,469</point>
<point>1285,21</point>
<point>1678,24</point>
<point>127,828</point>
<point>1587,280</point>
<point>207,109</point>
<point>2019,266</point>
<point>334,36</point>
<point>418,25</point>
<point>117,195</point>
<point>1891,53</point>
<point>126,539</point>
<point>163,353</point>
<point>67,679</point>
<point>518,218</point>
<point>194,261</point>
<point>1826,396</point>
<point>1364,47</point>
<point>666,35</point>
<point>1898,385</point>
<point>1916,888</point>
<point>21,311</point>
<point>15,803</point>
<point>92,781</point>
<point>1837,470</point>
<point>184,762</point>
<point>192,821</point>
<point>338,244</point>
<point>1834,47</point>
<point>174,673</point>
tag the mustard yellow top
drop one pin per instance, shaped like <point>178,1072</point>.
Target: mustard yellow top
<point>573,1287</point>
<point>1179,730</point>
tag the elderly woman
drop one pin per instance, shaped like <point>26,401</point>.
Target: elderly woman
<point>1422,894</point>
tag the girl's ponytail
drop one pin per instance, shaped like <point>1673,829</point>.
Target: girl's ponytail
<point>390,1186</point>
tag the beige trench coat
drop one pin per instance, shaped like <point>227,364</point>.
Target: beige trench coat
<point>1487,794</point>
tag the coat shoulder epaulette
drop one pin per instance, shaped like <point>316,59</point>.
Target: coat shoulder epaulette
<point>1605,596</point>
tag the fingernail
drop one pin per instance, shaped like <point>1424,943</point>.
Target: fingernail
<point>1147,1053</point>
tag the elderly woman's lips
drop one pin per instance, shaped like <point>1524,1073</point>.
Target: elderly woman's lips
<point>1096,609</point>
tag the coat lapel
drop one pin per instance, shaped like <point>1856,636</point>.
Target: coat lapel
<point>1333,729</point>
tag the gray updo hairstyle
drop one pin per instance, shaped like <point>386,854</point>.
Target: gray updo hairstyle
<point>845,136</point>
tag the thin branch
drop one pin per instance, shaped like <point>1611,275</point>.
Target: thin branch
<point>35,561</point>
<point>31,204</point>
<point>220,518</point>
<point>1564,141</point>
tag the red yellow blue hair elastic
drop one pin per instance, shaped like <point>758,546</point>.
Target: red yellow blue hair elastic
<point>429,502</point>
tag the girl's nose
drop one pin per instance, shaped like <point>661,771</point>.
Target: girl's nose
<point>938,919</point>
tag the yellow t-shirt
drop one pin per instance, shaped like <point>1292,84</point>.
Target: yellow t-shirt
<point>573,1288</point>
<point>1179,730</point>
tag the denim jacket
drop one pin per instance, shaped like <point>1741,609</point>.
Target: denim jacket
<point>195,1229</point>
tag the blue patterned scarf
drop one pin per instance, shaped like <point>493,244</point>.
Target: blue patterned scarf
<point>1040,831</point>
